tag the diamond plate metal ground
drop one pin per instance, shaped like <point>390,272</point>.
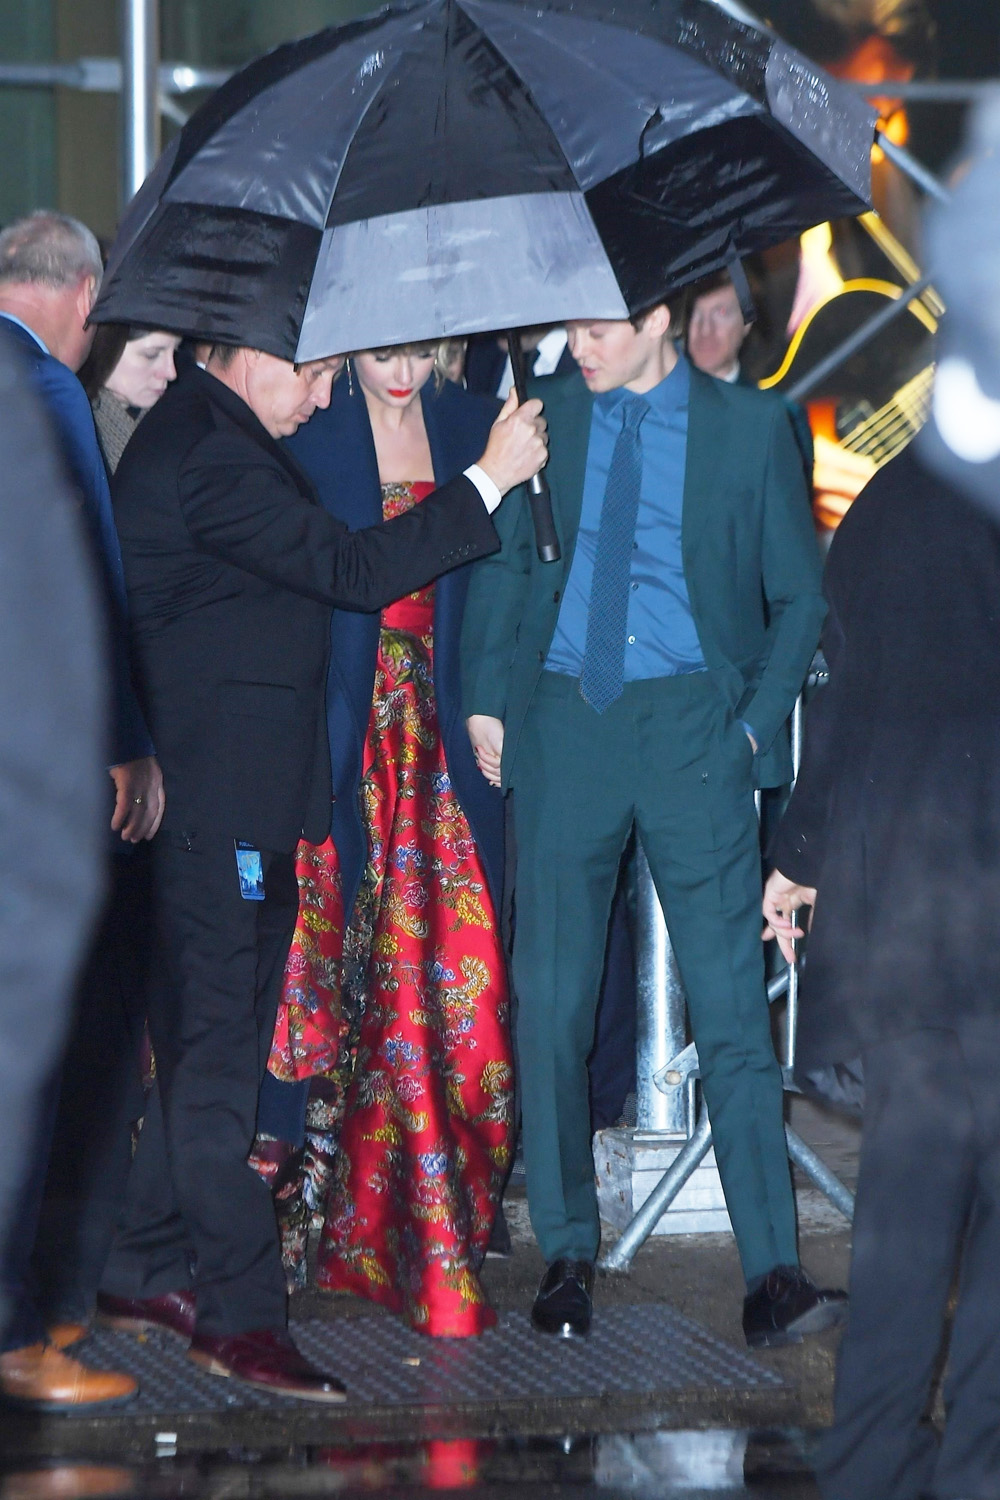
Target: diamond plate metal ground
<point>633,1351</point>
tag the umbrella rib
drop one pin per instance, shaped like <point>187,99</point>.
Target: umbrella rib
<point>375,94</point>
<point>525,87</point>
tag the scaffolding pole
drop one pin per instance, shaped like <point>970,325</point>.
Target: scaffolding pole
<point>140,112</point>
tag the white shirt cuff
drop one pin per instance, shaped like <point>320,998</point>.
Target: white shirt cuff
<point>490,494</point>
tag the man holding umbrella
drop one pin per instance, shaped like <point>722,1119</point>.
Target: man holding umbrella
<point>232,568</point>
<point>645,680</point>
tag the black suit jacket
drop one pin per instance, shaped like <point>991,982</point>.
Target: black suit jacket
<point>232,568</point>
<point>895,816</point>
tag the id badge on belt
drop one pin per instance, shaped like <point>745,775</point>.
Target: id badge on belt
<point>250,870</point>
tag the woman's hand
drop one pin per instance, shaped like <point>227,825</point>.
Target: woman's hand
<point>782,898</point>
<point>518,444</point>
<point>486,735</point>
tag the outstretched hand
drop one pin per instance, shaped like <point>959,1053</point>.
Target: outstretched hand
<point>518,444</point>
<point>783,900</point>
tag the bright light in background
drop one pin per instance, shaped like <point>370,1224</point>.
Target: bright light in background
<point>739,13</point>
<point>967,419</point>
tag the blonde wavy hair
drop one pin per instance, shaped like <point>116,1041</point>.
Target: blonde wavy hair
<point>448,353</point>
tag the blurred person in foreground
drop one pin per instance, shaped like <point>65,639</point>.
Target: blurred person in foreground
<point>102,1095</point>
<point>51,696</point>
<point>50,270</point>
<point>892,837</point>
<point>395,997</point>
<point>232,569</point>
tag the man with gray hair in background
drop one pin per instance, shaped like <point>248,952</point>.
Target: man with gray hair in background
<point>50,272</point>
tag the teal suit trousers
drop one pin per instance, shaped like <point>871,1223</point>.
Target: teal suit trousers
<point>669,757</point>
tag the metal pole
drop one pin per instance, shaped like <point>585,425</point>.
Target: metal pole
<point>815,1168</point>
<point>635,1234</point>
<point>914,169</point>
<point>140,114</point>
<point>661,1013</point>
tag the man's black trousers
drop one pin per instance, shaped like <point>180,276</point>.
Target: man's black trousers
<point>928,1199</point>
<point>196,1214</point>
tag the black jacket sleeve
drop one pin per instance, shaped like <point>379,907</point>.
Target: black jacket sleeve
<point>252,516</point>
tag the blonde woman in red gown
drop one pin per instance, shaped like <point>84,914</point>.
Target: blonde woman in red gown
<point>395,1002</point>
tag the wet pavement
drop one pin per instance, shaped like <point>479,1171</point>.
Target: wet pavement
<point>663,1400</point>
<point>757,1465</point>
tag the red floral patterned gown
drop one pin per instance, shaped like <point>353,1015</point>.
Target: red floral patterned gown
<point>404,1015</point>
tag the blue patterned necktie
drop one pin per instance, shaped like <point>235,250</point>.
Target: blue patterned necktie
<point>603,674</point>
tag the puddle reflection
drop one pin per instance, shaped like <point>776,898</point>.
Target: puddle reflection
<point>633,1466</point>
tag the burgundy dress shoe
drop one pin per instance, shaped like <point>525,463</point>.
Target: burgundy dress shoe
<point>265,1358</point>
<point>172,1313</point>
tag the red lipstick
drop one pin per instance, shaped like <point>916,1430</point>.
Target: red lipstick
<point>407,391</point>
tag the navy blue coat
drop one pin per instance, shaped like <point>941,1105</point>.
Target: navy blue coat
<point>337,451</point>
<point>65,400</point>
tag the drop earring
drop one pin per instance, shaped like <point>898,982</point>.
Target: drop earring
<point>350,379</point>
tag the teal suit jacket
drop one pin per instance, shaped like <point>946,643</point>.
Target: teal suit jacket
<point>750,556</point>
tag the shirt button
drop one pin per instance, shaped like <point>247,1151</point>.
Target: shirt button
<point>634,587</point>
<point>631,640</point>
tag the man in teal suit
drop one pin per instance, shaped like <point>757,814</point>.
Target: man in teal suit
<point>646,679</point>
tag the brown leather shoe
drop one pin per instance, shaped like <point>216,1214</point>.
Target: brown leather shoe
<point>62,1481</point>
<point>45,1379</point>
<point>65,1335</point>
<point>172,1313</point>
<point>265,1358</point>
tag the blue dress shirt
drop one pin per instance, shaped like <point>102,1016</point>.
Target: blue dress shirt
<point>661,639</point>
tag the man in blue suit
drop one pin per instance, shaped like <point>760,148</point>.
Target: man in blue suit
<point>50,270</point>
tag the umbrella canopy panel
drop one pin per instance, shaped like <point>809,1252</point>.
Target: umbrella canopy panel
<point>494,263</point>
<point>455,165</point>
<point>369,128</point>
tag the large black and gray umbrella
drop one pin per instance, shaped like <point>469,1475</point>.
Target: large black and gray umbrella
<point>451,166</point>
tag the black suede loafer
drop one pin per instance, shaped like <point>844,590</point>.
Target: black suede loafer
<point>787,1306</point>
<point>562,1305</point>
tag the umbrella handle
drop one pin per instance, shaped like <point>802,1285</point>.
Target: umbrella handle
<point>546,539</point>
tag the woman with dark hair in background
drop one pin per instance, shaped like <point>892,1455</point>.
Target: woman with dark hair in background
<point>126,373</point>
<point>395,1002</point>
